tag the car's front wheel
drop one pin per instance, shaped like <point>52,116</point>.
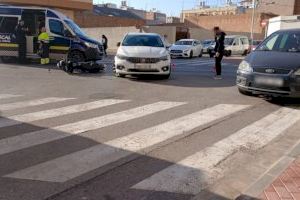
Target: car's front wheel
<point>201,53</point>
<point>166,76</point>
<point>244,92</point>
<point>191,54</point>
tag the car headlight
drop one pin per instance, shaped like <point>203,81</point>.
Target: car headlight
<point>164,58</point>
<point>121,57</point>
<point>245,67</point>
<point>91,45</point>
<point>297,73</point>
<point>185,51</point>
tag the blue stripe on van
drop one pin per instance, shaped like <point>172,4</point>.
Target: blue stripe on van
<point>51,14</point>
<point>10,11</point>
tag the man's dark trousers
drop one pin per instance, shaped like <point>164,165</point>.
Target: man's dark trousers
<point>219,64</point>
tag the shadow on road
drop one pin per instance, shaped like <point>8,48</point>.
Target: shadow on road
<point>112,181</point>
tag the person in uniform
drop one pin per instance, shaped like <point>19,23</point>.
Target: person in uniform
<point>44,45</point>
<point>219,49</point>
<point>21,41</point>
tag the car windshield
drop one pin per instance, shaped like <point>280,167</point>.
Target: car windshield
<point>75,28</point>
<point>228,41</point>
<point>183,42</point>
<point>282,41</point>
<point>143,40</point>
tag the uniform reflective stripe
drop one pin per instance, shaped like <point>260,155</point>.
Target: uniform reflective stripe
<point>59,48</point>
<point>8,45</point>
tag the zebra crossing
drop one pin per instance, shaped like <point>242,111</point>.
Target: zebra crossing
<point>188,176</point>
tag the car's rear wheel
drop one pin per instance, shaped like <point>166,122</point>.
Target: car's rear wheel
<point>245,53</point>
<point>228,53</point>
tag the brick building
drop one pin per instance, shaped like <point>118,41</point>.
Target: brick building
<point>68,7</point>
<point>107,17</point>
<point>232,24</point>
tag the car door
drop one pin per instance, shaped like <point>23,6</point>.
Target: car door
<point>59,42</point>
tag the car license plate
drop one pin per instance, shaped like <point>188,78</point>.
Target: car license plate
<point>142,66</point>
<point>270,81</point>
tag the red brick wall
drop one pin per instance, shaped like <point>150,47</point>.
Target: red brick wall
<point>297,7</point>
<point>87,19</point>
<point>230,23</point>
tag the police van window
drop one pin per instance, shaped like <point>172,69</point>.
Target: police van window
<point>56,27</point>
<point>8,24</point>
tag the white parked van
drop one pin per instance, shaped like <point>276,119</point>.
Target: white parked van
<point>236,45</point>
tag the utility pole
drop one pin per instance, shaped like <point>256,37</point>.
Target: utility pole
<point>254,4</point>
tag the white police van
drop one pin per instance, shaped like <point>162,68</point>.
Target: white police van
<point>66,38</point>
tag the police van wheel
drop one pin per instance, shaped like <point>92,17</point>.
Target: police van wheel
<point>76,56</point>
<point>6,59</point>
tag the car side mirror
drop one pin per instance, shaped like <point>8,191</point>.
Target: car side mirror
<point>118,44</point>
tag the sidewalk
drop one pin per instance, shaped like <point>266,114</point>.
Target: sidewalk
<point>286,186</point>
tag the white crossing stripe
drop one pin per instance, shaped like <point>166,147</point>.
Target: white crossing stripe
<point>71,166</point>
<point>19,142</point>
<point>30,117</point>
<point>7,96</point>
<point>25,104</point>
<point>190,175</point>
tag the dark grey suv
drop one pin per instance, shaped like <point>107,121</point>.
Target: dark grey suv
<point>273,69</point>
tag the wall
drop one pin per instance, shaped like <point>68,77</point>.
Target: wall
<point>114,34</point>
<point>232,24</point>
<point>88,19</point>
<point>278,7</point>
<point>201,34</point>
<point>169,31</point>
<point>297,7</point>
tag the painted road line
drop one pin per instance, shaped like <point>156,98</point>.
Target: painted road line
<point>81,162</point>
<point>30,117</point>
<point>192,174</point>
<point>25,104</point>
<point>7,96</point>
<point>19,142</point>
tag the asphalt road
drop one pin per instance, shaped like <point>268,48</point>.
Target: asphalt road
<point>95,136</point>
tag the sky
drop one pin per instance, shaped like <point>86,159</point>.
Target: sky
<point>170,7</point>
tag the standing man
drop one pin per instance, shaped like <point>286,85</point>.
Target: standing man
<point>44,45</point>
<point>21,41</point>
<point>219,49</point>
<point>105,44</point>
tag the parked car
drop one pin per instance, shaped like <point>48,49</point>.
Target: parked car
<point>236,45</point>
<point>209,47</point>
<point>273,69</point>
<point>187,48</point>
<point>142,53</point>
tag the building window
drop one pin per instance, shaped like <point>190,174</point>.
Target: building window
<point>8,24</point>
<point>56,27</point>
